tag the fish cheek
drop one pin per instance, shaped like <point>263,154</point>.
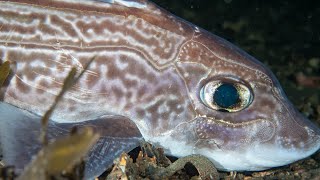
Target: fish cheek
<point>226,135</point>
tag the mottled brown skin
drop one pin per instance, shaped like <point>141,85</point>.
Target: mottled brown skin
<point>269,97</point>
<point>148,73</point>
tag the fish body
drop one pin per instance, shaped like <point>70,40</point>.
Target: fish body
<point>154,76</point>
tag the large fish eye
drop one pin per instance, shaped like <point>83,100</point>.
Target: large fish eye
<point>226,96</point>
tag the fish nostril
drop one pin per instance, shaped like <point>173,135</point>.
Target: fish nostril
<point>298,132</point>
<point>312,129</point>
<point>313,134</point>
<point>304,122</point>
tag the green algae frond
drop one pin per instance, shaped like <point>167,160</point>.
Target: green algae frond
<point>4,72</point>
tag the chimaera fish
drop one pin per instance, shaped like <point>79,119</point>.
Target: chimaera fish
<point>154,76</point>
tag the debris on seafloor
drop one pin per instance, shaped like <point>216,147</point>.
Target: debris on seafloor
<point>6,172</point>
<point>308,81</point>
<point>151,163</point>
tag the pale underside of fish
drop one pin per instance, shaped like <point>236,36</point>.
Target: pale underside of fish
<point>154,76</point>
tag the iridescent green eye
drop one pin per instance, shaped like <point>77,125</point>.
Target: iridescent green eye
<point>226,96</point>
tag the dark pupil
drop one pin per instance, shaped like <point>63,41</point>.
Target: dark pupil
<point>226,96</point>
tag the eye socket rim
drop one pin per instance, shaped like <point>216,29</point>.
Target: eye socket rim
<point>239,85</point>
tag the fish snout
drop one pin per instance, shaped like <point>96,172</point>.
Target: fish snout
<point>296,137</point>
<point>301,133</point>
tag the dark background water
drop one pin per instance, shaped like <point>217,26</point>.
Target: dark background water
<point>284,35</point>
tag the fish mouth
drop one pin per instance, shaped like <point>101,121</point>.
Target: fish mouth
<point>312,145</point>
<point>308,131</point>
<point>297,138</point>
<point>283,143</point>
<point>259,156</point>
<point>269,156</point>
<point>305,134</point>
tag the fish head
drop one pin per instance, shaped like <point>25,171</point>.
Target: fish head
<point>244,121</point>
